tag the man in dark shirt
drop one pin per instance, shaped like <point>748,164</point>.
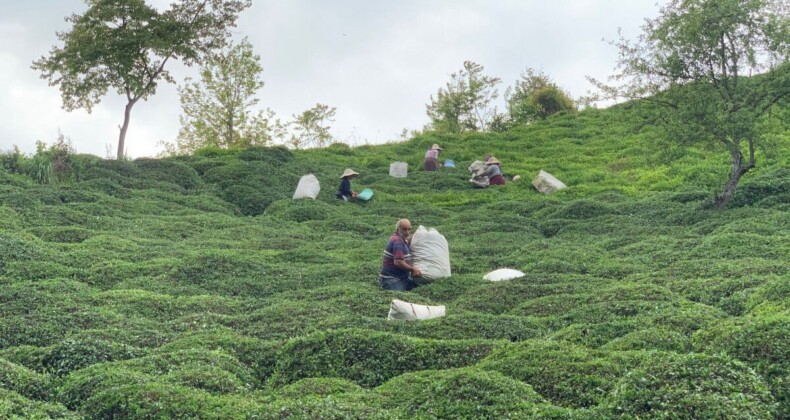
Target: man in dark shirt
<point>396,265</point>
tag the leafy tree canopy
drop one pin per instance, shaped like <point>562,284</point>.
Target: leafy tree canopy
<point>716,66</point>
<point>124,45</point>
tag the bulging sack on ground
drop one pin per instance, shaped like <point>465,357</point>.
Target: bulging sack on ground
<point>546,183</point>
<point>449,163</point>
<point>477,167</point>
<point>410,312</point>
<point>503,274</point>
<point>365,194</point>
<point>308,187</point>
<point>431,254</point>
<point>399,169</point>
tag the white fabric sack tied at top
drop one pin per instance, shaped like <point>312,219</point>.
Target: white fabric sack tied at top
<point>546,183</point>
<point>503,274</point>
<point>477,168</point>
<point>308,187</point>
<point>406,311</point>
<point>399,169</point>
<point>431,254</point>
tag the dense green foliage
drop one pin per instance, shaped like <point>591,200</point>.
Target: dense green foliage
<point>194,287</point>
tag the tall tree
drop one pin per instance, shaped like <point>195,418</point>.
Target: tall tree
<point>311,129</point>
<point>464,104</point>
<point>716,67</point>
<point>217,110</point>
<point>125,45</point>
<point>535,96</point>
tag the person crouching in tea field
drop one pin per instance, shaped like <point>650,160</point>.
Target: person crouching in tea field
<point>431,162</point>
<point>396,266</point>
<point>493,172</point>
<point>344,190</point>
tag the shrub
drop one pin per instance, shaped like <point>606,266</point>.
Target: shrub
<point>368,358</point>
<point>459,393</point>
<point>666,385</point>
<point>15,406</point>
<point>168,171</point>
<point>320,387</point>
<point>74,354</point>
<point>564,373</point>
<point>24,381</point>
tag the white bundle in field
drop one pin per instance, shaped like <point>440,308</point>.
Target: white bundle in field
<point>410,312</point>
<point>308,187</point>
<point>503,274</point>
<point>431,254</point>
<point>546,183</point>
<point>399,169</point>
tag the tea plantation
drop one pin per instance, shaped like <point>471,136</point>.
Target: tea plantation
<point>195,287</point>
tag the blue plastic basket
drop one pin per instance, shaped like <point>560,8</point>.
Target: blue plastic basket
<point>365,195</point>
<point>449,163</point>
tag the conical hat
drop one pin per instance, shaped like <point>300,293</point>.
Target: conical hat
<point>348,172</point>
<point>492,161</point>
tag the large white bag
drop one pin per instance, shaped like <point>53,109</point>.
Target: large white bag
<point>431,254</point>
<point>308,187</point>
<point>546,183</point>
<point>477,168</point>
<point>399,169</point>
<point>503,274</point>
<point>410,312</point>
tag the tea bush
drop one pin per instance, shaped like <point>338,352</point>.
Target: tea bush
<point>15,406</point>
<point>456,393</point>
<point>691,386</point>
<point>368,358</point>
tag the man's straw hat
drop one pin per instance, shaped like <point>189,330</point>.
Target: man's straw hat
<point>348,172</point>
<point>436,147</point>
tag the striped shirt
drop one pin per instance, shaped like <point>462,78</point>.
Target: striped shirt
<point>396,249</point>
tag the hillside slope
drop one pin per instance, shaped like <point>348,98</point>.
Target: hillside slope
<point>195,287</point>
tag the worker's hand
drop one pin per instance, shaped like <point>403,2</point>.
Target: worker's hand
<point>415,272</point>
<point>354,194</point>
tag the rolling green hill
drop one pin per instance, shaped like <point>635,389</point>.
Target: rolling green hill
<point>194,287</point>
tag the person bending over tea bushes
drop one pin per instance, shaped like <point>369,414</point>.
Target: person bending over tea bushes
<point>344,190</point>
<point>396,268</point>
<point>431,162</point>
<point>493,172</point>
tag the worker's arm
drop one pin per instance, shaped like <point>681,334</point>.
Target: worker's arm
<point>415,272</point>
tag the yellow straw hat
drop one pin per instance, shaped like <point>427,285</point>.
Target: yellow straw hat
<point>492,161</point>
<point>436,147</point>
<point>348,172</point>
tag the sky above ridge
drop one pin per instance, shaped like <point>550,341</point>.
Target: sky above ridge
<point>378,62</point>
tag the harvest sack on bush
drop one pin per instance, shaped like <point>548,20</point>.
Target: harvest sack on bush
<point>308,187</point>
<point>546,183</point>
<point>399,169</point>
<point>503,274</point>
<point>477,168</point>
<point>449,163</point>
<point>409,312</point>
<point>431,254</point>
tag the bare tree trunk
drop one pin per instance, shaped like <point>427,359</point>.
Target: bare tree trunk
<point>127,113</point>
<point>737,170</point>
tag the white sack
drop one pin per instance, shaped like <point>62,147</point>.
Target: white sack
<point>477,168</point>
<point>308,187</point>
<point>431,254</point>
<point>399,169</point>
<point>410,312</point>
<point>503,274</point>
<point>546,183</point>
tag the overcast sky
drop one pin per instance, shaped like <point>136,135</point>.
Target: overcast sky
<point>377,61</point>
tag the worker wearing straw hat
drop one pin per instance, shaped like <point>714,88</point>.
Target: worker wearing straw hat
<point>493,172</point>
<point>431,162</point>
<point>344,190</point>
